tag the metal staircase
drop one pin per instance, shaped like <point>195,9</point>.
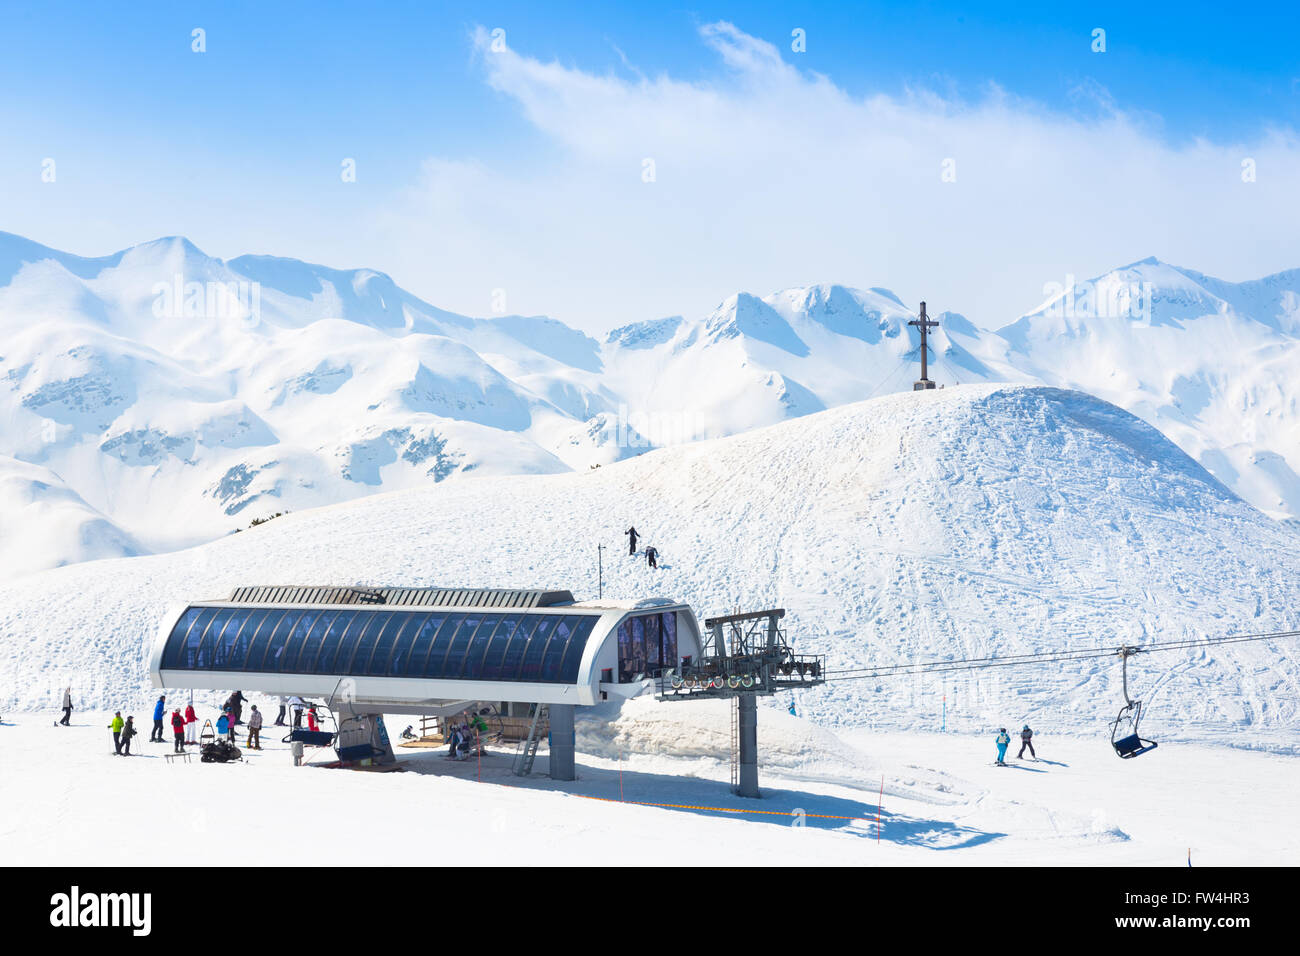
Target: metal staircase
<point>526,752</point>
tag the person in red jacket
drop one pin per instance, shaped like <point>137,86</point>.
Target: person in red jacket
<point>178,729</point>
<point>191,724</point>
<point>311,719</point>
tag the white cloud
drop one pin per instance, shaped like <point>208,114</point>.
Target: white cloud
<point>769,176</point>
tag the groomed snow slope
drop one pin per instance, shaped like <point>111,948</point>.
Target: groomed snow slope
<point>959,523</point>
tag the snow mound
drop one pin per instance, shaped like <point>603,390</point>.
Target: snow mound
<point>45,524</point>
<point>701,730</point>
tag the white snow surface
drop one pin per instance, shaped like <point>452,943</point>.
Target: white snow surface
<point>179,408</point>
<point>863,799</point>
<point>961,523</point>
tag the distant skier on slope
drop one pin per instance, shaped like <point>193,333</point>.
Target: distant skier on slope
<point>792,710</point>
<point>116,726</point>
<point>631,541</point>
<point>1003,741</point>
<point>67,706</point>
<point>651,556</point>
<point>1025,741</point>
<point>128,731</point>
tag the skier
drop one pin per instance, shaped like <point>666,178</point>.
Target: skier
<point>116,727</point>
<point>128,731</point>
<point>631,541</point>
<point>191,724</point>
<point>156,736</point>
<point>1025,741</point>
<point>254,741</point>
<point>279,719</point>
<point>235,704</point>
<point>297,704</point>
<point>312,725</point>
<point>651,556</point>
<point>792,711</point>
<point>1003,741</point>
<point>67,705</point>
<point>224,726</point>
<point>178,731</point>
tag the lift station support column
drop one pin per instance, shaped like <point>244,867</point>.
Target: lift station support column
<point>562,742</point>
<point>748,728</point>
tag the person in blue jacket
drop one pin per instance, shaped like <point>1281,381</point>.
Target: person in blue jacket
<point>1003,741</point>
<point>157,736</point>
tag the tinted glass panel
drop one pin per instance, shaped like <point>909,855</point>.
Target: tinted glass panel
<point>512,646</point>
<point>454,659</point>
<point>536,647</point>
<point>670,638</point>
<point>514,656</point>
<point>342,632</point>
<point>223,638</point>
<point>577,646</point>
<point>175,651</point>
<point>477,652</point>
<point>496,648</point>
<point>378,661</point>
<point>394,664</point>
<point>553,657</point>
<point>417,659</point>
<point>261,639</point>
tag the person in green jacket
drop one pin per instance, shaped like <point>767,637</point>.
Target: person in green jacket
<point>116,727</point>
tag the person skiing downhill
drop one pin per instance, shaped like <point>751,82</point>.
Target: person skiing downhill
<point>156,736</point>
<point>651,556</point>
<point>1003,741</point>
<point>631,541</point>
<point>67,706</point>
<point>1025,741</point>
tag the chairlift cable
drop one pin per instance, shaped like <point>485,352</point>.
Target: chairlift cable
<point>1048,657</point>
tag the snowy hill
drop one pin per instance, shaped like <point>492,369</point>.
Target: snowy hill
<point>45,524</point>
<point>1212,364</point>
<point>181,396</point>
<point>972,521</point>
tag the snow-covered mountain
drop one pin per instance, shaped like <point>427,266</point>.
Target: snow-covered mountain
<point>973,521</point>
<point>1212,364</point>
<point>183,395</point>
<point>180,396</point>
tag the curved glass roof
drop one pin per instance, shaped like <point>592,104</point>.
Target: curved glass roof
<point>380,641</point>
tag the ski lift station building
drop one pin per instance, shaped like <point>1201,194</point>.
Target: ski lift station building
<point>371,651</point>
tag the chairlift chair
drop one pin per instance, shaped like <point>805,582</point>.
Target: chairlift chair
<point>1130,745</point>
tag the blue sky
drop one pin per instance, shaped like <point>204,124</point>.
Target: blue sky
<point>239,147</point>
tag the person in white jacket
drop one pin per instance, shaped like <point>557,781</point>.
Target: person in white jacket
<point>255,729</point>
<point>67,706</point>
<point>297,705</point>
<point>279,718</point>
